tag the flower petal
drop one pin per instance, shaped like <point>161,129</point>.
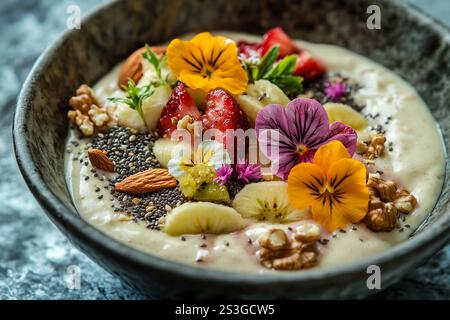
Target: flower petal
<point>235,79</point>
<point>307,122</point>
<point>207,63</point>
<point>329,216</point>
<point>181,160</point>
<point>329,154</point>
<point>271,126</point>
<point>345,134</point>
<point>183,55</point>
<point>305,184</point>
<point>347,177</point>
<point>214,154</point>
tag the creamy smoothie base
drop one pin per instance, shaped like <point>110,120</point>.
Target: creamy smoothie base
<point>413,158</point>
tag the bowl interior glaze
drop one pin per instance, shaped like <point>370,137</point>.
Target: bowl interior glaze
<point>409,43</point>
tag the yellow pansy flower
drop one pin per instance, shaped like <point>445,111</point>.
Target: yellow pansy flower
<point>333,185</point>
<point>206,62</point>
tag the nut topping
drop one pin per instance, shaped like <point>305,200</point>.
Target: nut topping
<point>307,233</point>
<point>87,115</point>
<point>132,67</point>
<point>277,251</point>
<point>275,240</point>
<point>373,148</point>
<point>99,159</point>
<point>147,181</point>
<point>386,201</point>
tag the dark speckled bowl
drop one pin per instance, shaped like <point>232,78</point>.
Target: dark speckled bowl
<point>410,43</point>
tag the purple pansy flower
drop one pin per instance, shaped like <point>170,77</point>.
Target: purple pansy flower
<point>290,135</point>
<point>224,174</point>
<point>334,91</point>
<point>248,172</point>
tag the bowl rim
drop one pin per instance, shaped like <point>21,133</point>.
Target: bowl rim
<point>62,215</point>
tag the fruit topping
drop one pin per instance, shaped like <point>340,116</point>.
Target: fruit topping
<point>201,218</point>
<point>266,201</point>
<point>258,95</point>
<point>308,67</point>
<point>180,104</point>
<point>277,36</point>
<point>163,150</point>
<point>223,113</point>
<point>213,192</point>
<point>194,178</point>
<point>345,114</point>
<point>249,49</point>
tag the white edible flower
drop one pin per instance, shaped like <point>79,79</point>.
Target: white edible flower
<point>209,153</point>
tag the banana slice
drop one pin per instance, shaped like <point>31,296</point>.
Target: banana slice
<point>345,114</point>
<point>267,201</point>
<point>259,95</point>
<point>153,105</point>
<point>163,150</point>
<point>127,117</point>
<point>201,217</point>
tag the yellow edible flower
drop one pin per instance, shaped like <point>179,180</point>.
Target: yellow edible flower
<point>207,63</point>
<point>333,185</point>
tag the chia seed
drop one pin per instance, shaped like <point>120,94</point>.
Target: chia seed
<point>234,187</point>
<point>316,89</point>
<point>131,153</point>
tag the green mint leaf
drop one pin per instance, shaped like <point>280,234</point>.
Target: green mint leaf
<point>267,62</point>
<point>285,67</point>
<point>135,96</point>
<point>157,63</point>
<point>290,85</point>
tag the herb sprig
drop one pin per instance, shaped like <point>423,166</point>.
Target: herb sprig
<point>157,63</point>
<point>135,96</point>
<point>280,74</point>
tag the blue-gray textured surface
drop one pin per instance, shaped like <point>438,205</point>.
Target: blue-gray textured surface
<point>34,255</point>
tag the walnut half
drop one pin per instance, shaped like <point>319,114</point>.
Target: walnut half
<point>386,201</point>
<point>372,148</point>
<point>87,114</point>
<point>278,252</point>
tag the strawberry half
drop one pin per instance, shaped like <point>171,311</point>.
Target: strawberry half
<point>277,36</point>
<point>248,49</point>
<point>308,67</point>
<point>180,104</point>
<point>223,113</point>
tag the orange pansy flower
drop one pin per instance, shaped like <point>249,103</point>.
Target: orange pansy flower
<point>333,185</point>
<point>207,63</point>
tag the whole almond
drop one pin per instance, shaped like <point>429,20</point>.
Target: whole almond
<point>99,159</point>
<point>147,181</point>
<point>132,67</point>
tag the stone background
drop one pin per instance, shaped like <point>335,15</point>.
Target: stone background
<point>34,255</point>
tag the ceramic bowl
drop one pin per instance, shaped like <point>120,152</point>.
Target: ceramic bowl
<point>410,43</point>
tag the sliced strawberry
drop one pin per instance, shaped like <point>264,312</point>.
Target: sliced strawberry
<point>248,49</point>
<point>180,104</point>
<point>277,36</point>
<point>308,67</point>
<point>223,113</point>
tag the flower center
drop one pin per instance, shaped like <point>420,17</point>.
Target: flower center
<point>301,149</point>
<point>207,71</point>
